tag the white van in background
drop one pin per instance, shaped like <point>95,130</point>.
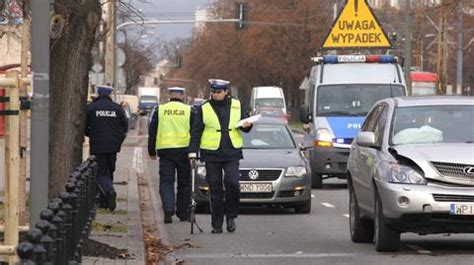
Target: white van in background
<point>268,97</point>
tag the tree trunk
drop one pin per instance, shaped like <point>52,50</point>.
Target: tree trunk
<point>74,25</point>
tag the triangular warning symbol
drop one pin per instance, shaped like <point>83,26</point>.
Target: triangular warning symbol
<point>356,27</point>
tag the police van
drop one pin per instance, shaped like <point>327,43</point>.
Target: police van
<point>343,88</point>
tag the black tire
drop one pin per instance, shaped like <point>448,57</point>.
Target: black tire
<point>362,230</point>
<point>202,208</point>
<point>385,238</point>
<point>316,181</point>
<point>304,208</point>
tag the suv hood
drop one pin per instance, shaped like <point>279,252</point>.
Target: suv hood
<point>449,153</point>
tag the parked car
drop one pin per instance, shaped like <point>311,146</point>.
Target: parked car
<point>273,171</point>
<point>411,169</point>
<point>272,112</point>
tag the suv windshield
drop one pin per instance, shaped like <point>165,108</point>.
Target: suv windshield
<point>268,136</point>
<point>432,124</point>
<point>269,102</point>
<point>353,100</point>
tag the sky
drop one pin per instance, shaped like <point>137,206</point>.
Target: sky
<point>168,10</point>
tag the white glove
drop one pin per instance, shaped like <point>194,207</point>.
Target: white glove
<point>192,155</point>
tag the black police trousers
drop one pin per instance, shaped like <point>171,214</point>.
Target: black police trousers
<point>223,203</point>
<point>105,173</point>
<point>169,166</point>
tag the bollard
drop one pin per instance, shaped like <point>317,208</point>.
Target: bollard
<point>25,252</point>
<point>34,236</point>
<point>48,215</point>
<point>58,222</point>
<point>46,240</point>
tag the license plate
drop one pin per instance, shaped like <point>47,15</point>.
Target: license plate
<point>462,209</point>
<point>260,187</point>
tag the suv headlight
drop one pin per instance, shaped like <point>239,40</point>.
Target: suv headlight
<point>295,172</point>
<point>404,174</point>
<point>201,171</point>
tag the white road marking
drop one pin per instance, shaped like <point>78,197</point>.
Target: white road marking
<point>346,215</point>
<point>270,255</point>
<point>419,249</point>
<point>328,205</point>
<point>313,196</point>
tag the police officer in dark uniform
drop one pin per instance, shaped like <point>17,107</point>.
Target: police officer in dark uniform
<point>219,141</point>
<point>169,136</point>
<point>106,127</point>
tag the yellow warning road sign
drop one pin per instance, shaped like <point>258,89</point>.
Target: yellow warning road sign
<point>356,27</point>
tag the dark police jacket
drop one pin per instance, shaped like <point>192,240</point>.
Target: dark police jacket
<point>106,125</point>
<point>225,152</point>
<point>152,130</point>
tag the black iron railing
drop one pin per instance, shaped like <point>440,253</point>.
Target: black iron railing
<point>59,236</point>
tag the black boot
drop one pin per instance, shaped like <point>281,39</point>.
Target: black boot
<point>111,203</point>
<point>231,225</point>
<point>216,230</point>
<point>168,219</point>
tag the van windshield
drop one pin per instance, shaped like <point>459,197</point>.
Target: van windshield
<point>148,99</point>
<point>269,103</point>
<point>353,99</point>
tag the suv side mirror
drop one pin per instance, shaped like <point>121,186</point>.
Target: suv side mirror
<point>366,139</point>
<point>305,115</point>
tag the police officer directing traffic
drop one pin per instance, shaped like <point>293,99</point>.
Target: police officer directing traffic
<point>106,127</point>
<point>219,141</point>
<point>169,136</point>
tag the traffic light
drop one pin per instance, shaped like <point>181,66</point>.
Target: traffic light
<point>241,14</point>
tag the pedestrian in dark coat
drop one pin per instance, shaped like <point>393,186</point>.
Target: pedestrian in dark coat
<point>106,127</point>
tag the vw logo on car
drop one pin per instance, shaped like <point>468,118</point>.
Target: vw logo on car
<point>469,171</point>
<point>253,174</point>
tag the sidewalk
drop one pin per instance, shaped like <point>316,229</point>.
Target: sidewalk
<point>120,234</point>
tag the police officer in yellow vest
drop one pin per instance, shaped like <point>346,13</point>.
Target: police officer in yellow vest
<point>219,142</point>
<point>168,137</point>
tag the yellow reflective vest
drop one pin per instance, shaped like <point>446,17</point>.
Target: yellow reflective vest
<point>211,136</point>
<point>174,127</point>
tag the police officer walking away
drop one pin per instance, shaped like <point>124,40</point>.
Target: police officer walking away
<point>106,127</point>
<point>219,141</point>
<point>169,136</point>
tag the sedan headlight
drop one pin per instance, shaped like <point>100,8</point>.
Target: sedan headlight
<point>295,172</point>
<point>404,174</point>
<point>201,171</point>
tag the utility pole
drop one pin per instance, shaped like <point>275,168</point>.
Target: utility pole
<point>440,66</point>
<point>40,116</point>
<point>110,43</point>
<point>459,48</point>
<point>408,51</point>
<point>25,48</point>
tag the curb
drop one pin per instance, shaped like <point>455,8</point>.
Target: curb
<point>133,206</point>
<point>162,232</point>
<point>297,131</point>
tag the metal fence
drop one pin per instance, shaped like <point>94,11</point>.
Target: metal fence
<point>59,236</point>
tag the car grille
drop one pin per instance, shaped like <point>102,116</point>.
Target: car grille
<point>263,174</point>
<point>454,171</point>
<point>453,198</point>
<point>256,195</point>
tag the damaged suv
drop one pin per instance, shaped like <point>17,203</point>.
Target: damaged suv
<point>411,169</point>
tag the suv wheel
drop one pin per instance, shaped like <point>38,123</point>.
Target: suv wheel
<point>386,239</point>
<point>362,230</point>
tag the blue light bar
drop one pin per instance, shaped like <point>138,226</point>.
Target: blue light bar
<point>330,59</point>
<point>387,59</point>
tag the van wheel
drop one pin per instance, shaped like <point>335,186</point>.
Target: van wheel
<point>316,181</point>
<point>362,230</point>
<point>304,208</point>
<point>386,239</point>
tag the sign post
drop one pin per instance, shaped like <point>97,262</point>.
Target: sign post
<point>356,27</point>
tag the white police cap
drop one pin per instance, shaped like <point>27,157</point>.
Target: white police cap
<point>176,89</point>
<point>218,83</point>
<point>104,89</point>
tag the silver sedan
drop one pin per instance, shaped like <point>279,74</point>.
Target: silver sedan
<point>411,169</point>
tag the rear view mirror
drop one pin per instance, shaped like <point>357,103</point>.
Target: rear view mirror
<point>305,115</point>
<point>366,139</point>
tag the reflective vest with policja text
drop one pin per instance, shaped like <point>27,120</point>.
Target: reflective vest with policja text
<point>211,136</point>
<point>174,127</point>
